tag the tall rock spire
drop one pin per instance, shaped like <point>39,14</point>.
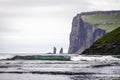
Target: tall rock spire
<point>61,51</point>
<point>54,50</point>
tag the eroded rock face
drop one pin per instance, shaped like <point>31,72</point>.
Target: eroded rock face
<point>83,35</point>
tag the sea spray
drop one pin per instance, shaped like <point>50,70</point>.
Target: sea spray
<point>6,56</point>
<point>94,58</point>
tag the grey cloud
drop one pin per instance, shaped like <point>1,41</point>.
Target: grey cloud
<point>4,29</point>
<point>69,5</point>
<point>41,2</point>
<point>9,10</point>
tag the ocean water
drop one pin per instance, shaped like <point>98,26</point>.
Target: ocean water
<point>79,68</point>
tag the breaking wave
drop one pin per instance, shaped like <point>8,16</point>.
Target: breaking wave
<point>6,56</point>
<point>94,58</point>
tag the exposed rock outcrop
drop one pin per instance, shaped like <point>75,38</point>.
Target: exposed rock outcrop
<point>83,35</point>
<point>103,49</point>
<point>61,51</point>
<point>54,50</point>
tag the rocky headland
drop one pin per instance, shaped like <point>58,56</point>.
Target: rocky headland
<point>87,27</point>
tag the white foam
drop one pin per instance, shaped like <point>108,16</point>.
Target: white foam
<point>6,56</point>
<point>89,58</point>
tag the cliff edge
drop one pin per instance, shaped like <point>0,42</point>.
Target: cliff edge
<point>89,26</point>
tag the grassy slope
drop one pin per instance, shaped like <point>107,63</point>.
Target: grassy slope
<point>111,37</point>
<point>102,19</point>
<point>109,44</point>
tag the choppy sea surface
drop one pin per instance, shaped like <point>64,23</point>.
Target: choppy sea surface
<point>79,68</point>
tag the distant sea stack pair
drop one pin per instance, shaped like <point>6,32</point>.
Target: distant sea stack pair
<point>90,26</point>
<point>55,50</point>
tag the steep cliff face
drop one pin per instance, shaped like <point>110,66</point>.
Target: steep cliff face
<point>88,27</point>
<point>83,35</point>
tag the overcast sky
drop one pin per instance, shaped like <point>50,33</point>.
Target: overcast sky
<point>36,26</point>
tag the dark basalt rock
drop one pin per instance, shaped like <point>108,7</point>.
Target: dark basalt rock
<point>54,50</point>
<point>103,49</point>
<point>61,51</point>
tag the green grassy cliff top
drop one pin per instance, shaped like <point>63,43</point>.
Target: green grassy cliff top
<point>106,21</point>
<point>111,37</point>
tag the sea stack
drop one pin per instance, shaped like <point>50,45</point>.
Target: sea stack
<point>61,51</point>
<point>54,50</point>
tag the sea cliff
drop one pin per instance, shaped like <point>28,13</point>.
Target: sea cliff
<point>89,26</point>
